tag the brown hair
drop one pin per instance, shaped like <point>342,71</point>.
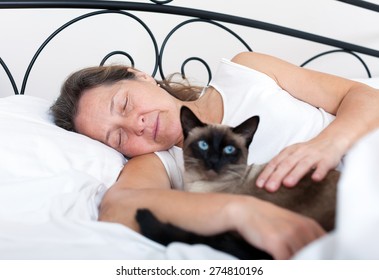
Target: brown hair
<point>65,107</point>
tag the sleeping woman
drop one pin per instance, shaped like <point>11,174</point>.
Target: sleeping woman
<point>308,121</point>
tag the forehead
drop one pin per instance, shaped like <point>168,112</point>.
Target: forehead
<point>93,107</point>
<point>102,92</point>
<point>98,98</point>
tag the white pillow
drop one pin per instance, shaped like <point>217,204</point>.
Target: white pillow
<point>32,146</point>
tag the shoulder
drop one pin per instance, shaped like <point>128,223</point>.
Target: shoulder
<point>145,171</point>
<point>264,63</point>
<point>255,59</point>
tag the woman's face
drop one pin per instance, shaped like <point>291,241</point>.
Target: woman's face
<point>132,116</point>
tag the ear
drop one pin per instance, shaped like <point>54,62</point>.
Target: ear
<point>189,120</point>
<point>142,76</point>
<point>247,129</point>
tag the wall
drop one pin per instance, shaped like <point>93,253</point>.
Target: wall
<point>22,32</point>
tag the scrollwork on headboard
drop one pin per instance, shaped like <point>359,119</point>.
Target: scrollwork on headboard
<point>218,20</point>
<point>10,77</point>
<point>362,4</point>
<point>106,57</point>
<point>161,1</point>
<point>203,61</point>
<point>344,51</point>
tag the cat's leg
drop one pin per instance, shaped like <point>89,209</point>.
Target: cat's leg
<point>164,234</point>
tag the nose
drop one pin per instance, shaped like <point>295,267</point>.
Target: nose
<point>140,125</point>
<point>134,124</point>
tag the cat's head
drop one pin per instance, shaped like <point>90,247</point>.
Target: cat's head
<point>214,146</point>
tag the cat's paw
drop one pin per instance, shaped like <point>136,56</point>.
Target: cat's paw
<point>151,227</point>
<point>162,233</point>
<point>147,221</point>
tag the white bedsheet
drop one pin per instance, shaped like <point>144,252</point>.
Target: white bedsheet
<point>40,219</point>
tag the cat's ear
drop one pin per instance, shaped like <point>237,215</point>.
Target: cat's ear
<point>247,129</point>
<point>189,120</point>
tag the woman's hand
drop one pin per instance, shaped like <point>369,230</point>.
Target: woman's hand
<point>290,165</point>
<point>275,230</point>
<point>354,104</point>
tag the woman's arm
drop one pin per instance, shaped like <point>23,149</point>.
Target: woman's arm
<point>354,104</point>
<point>144,184</point>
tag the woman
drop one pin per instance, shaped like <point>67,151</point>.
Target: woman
<point>133,114</point>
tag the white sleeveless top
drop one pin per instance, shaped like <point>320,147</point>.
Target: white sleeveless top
<point>284,120</point>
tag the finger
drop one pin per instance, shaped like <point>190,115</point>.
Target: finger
<point>283,169</point>
<point>314,231</point>
<point>271,167</point>
<point>318,231</point>
<point>265,174</point>
<point>291,241</point>
<point>284,254</point>
<point>298,172</point>
<point>310,231</point>
<point>297,236</point>
<point>279,249</point>
<point>295,244</point>
<point>320,172</point>
<point>319,175</point>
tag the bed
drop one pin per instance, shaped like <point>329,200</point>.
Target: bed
<point>52,180</point>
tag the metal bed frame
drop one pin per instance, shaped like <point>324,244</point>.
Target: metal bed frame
<point>195,15</point>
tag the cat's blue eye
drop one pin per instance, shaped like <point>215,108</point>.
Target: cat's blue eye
<point>203,145</point>
<point>229,149</point>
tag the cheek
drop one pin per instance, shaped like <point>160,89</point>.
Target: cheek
<point>136,147</point>
<point>173,136</point>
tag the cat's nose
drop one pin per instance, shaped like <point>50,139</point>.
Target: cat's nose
<point>215,165</point>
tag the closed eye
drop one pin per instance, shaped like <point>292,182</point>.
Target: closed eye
<point>119,138</point>
<point>125,103</point>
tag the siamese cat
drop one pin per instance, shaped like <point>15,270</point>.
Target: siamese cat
<point>215,160</point>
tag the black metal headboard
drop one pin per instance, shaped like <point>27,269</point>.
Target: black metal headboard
<point>195,15</point>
